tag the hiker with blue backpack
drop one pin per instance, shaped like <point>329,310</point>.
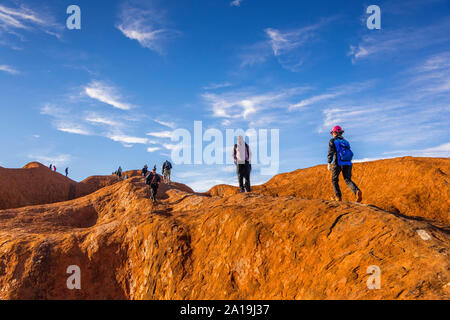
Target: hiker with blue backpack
<point>340,158</point>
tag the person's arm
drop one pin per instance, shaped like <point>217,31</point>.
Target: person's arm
<point>234,154</point>
<point>331,151</point>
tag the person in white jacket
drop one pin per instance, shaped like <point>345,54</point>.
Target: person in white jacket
<point>242,157</point>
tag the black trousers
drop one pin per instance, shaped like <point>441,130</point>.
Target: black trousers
<point>347,173</point>
<point>243,172</point>
<point>154,191</point>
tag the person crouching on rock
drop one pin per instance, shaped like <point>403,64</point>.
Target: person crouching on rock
<point>242,158</point>
<point>340,159</point>
<point>153,180</point>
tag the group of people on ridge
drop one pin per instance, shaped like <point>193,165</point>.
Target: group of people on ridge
<point>53,167</point>
<point>153,180</point>
<point>340,158</point>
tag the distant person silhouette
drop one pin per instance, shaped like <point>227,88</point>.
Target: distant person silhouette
<point>145,171</point>
<point>54,168</point>
<point>119,173</point>
<point>67,172</point>
<point>340,160</point>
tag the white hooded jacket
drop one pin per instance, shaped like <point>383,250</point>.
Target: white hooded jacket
<point>241,151</point>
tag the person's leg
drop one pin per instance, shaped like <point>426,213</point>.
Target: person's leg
<point>151,193</point>
<point>154,191</point>
<point>335,171</point>
<point>240,172</point>
<point>168,176</point>
<point>347,173</point>
<point>247,177</point>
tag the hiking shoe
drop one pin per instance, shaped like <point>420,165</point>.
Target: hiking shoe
<point>358,196</point>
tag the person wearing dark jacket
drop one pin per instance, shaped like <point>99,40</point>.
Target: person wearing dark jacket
<point>153,180</point>
<point>119,173</point>
<point>337,165</point>
<point>145,171</point>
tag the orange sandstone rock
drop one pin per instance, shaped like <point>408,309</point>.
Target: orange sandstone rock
<point>231,246</point>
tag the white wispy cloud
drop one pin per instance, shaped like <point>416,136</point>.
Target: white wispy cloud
<point>236,3</point>
<point>161,134</point>
<point>387,119</point>
<point>57,160</point>
<point>72,128</point>
<point>128,139</point>
<point>243,104</point>
<point>255,54</point>
<point>9,69</point>
<point>153,149</point>
<point>387,43</point>
<point>64,120</point>
<point>442,150</point>
<point>283,42</point>
<point>97,119</point>
<point>18,18</point>
<point>147,26</point>
<point>432,77</point>
<point>332,94</point>
<point>105,93</point>
<point>171,147</point>
<point>167,124</point>
<point>289,47</point>
<point>15,20</point>
<point>214,86</point>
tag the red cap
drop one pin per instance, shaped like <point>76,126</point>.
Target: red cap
<point>337,129</point>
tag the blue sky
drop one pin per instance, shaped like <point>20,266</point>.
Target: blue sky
<point>111,93</point>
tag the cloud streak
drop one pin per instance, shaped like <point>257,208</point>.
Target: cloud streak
<point>236,3</point>
<point>332,94</point>
<point>382,44</point>
<point>9,69</point>
<point>243,104</point>
<point>289,47</point>
<point>161,134</point>
<point>147,26</point>
<point>16,20</point>
<point>57,160</point>
<point>107,94</point>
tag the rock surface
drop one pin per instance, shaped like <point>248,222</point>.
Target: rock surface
<point>36,184</point>
<point>262,245</point>
<point>416,187</point>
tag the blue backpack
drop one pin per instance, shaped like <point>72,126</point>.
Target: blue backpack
<point>344,153</point>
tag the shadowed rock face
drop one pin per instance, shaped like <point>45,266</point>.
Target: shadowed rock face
<point>234,246</point>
